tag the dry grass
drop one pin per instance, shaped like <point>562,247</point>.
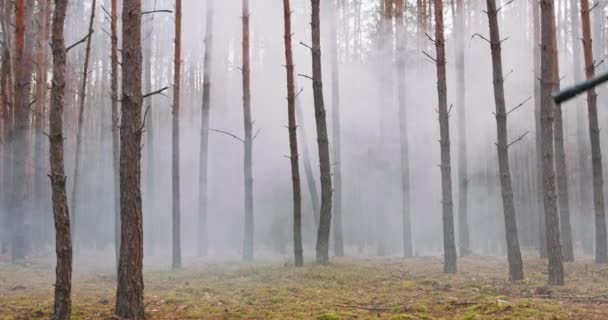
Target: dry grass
<point>348,289</point>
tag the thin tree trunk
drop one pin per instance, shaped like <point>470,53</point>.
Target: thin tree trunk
<point>335,117</point>
<point>293,139</point>
<point>115,136</point>
<point>82,94</point>
<point>310,178</point>
<point>403,130</point>
<point>449,244</point>
<point>203,244</point>
<point>601,241</point>
<point>63,242</point>
<point>129,292</point>
<point>463,179</point>
<point>516,271</point>
<point>548,78</point>
<point>248,154</point>
<point>176,203</point>
<point>322,247</point>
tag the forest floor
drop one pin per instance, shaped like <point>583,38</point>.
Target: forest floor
<point>350,288</point>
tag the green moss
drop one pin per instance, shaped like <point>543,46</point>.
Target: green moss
<point>328,316</point>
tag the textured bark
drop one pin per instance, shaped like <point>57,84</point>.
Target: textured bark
<point>463,173</point>
<point>203,204</point>
<point>403,130</point>
<point>542,245</point>
<point>516,271</point>
<point>82,95</point>
<point>129,292</point>
<point>176,261</point>
<point>248,150</point>
<point>335,118</point>
<point>548,79</point>
<point>601,241</point>
<point>115,136</point>
<point>63,243</point>
<point>293,139</point>
<point>449,244</point>
<point>322,247</point>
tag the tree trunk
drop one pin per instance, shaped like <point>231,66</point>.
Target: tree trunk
<point>516,271</point>
<point>176,203</point>
<point>203,244</point>
<point>150,195</point>
<point>63,243</point>
<point>601,241</point>
<point>115,126</point>
<point>82,94</point>
<point>548,78</point>
<point>322,247</point>
<point>129,292</point>
<point>248,154</point>
<point>449,244</point>
<point>463,179</point>
<point>293,139</point>
<point>335,118</point>
<point>403,130</point>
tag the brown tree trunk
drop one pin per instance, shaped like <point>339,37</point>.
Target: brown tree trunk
<point>548,78</point>
<point>248,154</point>
<point>449,244</point>
<point>293,139</point>
<point>601,241</point>
<point>176,203</point>
<point>63,242</point>
<point>129,292</point>
<point>516,271</point>
<point>403,130</point>
<point>115,126</point>
<point>322,247</point>
<point>203,244</point>
<point>463,172</point>
<point>82,95</point>
<point>335,118</point>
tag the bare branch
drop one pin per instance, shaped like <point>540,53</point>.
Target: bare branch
<point>79,42</point>
<point>297,94</point>
<point>305,76</point>
<point>256,134</point>
<point>429,37</point>
<point>518,139</point>
<point>519,105</point>
<point>105,10</point>
<point>156,11</point>
<point>159,91</point>
<point>481,37</point>
<point>450,110</point>
<point>143,124</point>
<point>228,134</point>
<point>507,75</point>
<point>429,56</point>
<point>504,5</point>
<point>305,45</point>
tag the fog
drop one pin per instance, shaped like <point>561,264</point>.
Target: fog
<point>370,134</point>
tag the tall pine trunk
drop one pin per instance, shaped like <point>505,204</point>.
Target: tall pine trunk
<point>248,150</point>
<point>516,271</point>
<point>176,261</point>
<point>82,95</point>
<point>601,241</point>
<point>130,288</point>
<point>203,204</point>
<point>449,245</point>
<point>335,118</point>
<point>322,247</point>
<point>548,79</point>
<point>293,139</point>
<point>63,242</point>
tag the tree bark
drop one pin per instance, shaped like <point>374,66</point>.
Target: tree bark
<point>129,292</point>
<point>203,244</point>
<point>115,126</point>
<point>463,172</point>
<point>293,139</point>
<point>548,78</point>
<point>63,242</point>
<point>322,247</point>
<point>449,244</point>
<point>335,118</point>
<point>82,95</point>
<point>601,241</point>
<point>516,271</point>
<point>248,150</point>
<point>176,261</point>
